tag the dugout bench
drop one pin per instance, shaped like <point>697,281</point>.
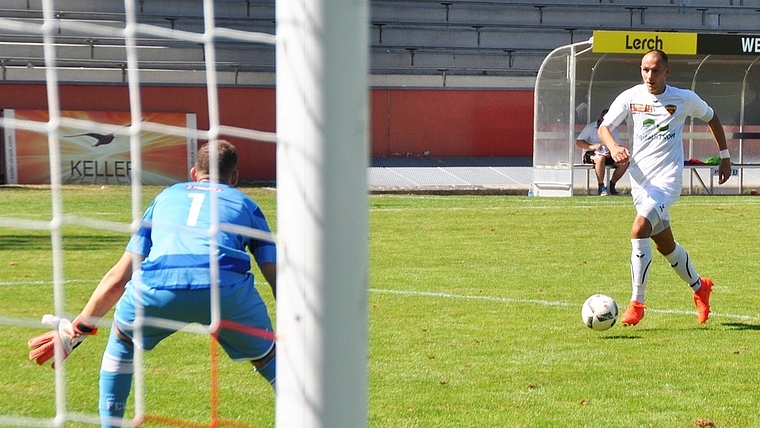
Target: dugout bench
<point>697,180</point>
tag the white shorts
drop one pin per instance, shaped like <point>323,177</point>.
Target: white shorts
<point>654,203</point>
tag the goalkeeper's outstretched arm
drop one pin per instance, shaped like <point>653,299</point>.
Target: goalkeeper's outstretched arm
<point>69,334</point>
<point>110,288</point>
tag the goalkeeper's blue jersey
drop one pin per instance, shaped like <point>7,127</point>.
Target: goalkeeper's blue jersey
<point>175,240</point>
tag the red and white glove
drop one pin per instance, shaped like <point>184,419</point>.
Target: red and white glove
<point>65,334</point>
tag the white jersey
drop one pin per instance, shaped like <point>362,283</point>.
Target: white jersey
<point>655,131</point>
<point>591,136</point>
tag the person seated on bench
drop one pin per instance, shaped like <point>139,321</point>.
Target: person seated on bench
<point>597,154</point>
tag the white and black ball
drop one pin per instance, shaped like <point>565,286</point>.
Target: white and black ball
<point>599,312</point>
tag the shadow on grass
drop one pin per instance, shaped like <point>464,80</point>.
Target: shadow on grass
<point>622,336</point>
<point>741,326</point>
<point>30,242</point>
<point>25,188</point>
<point>25,242</point>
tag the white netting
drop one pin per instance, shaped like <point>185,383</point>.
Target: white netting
<point>131,31</point>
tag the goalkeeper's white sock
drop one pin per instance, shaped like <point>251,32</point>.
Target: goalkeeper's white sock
<point>641,259</point>
<point>681,262</point>
<point>269,371</point>
<point>115,381</point>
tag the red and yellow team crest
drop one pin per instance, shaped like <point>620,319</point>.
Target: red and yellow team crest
<point>671,108</point>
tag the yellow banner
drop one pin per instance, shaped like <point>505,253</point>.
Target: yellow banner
<point>640,42</point>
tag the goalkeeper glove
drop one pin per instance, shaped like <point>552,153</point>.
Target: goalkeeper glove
<point>65,334</point>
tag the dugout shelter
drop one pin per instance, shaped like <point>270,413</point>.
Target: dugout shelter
<point>577,81</point>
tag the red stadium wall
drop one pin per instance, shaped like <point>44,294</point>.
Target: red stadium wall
<point>447,123</point>
<point>242,107</point>
<point>405,122</point>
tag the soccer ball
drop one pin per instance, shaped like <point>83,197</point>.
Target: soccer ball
<point>599,312</point>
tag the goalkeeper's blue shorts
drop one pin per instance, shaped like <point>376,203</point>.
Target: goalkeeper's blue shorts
<point>246,332</point>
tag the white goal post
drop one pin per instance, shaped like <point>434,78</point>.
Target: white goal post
<point>322,211</point>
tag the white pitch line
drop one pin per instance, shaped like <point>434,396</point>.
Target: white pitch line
<point>461,296</point>
<point>541,302</point>
<point>464,297</point>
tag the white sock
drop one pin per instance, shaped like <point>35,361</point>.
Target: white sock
<point>641,259</point>
<point>681,262</point>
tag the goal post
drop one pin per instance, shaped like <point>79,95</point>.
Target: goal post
<point>322,210</point>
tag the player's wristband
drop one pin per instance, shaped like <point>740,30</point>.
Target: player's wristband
<point>82,327</point>
<point>724,154</point>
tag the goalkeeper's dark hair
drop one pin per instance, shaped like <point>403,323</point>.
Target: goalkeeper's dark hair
<point>226,156</point>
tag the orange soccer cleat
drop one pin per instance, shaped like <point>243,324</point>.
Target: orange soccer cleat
<point>702,299</point>
<point>633,314</point>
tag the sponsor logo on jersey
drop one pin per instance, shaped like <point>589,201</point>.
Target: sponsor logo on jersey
<point>641,108</point>
<point>662,131</point>
<point>206,188</point>
<point>651,122</point>
<point>671,108</point>
<point>661,136</point>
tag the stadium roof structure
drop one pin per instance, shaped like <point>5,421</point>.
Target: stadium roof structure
<point>576,82</point>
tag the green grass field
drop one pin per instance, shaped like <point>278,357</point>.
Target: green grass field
<point>474,315</point>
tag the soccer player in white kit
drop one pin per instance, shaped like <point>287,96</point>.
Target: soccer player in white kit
<point>656,113</point>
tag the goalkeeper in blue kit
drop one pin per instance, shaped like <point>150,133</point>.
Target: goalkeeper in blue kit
<point>173,282</point>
